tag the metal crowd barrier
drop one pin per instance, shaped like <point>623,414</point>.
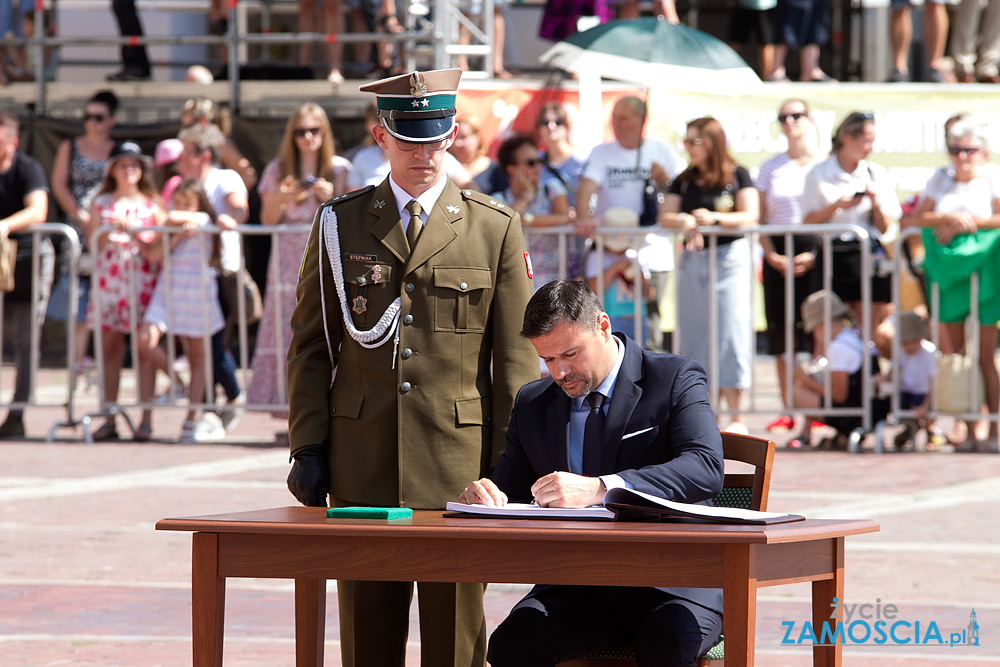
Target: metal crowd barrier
<point>117,408</point>
<point>897,414</point>
<point>418,27</point>
<point>72,248</point>
<point>825,233</point>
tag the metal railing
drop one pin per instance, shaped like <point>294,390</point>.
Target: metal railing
<point>72,248</point>
<point>440,36</point>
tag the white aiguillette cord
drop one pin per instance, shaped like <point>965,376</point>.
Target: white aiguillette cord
<point>379,334</point>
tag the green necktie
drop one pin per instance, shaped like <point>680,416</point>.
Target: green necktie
<point>415,225</point>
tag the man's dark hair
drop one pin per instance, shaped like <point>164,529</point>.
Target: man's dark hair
<point>561,301</point>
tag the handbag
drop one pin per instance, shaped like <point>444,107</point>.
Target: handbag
<point>953,387</point>
<point>650,196</point>
<point>8,260</point>
<point>229,282</point>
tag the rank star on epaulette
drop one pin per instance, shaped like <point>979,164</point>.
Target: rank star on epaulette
<point>453,209</point>
<point>360,305</point>
<point>494,202</point>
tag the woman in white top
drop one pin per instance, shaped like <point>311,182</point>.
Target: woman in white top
<point>848,189</point>
<point>960,213</point>
<point>780,181</point>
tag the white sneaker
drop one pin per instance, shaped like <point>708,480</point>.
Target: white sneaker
<point>232,412</point>
<point>209,428</point>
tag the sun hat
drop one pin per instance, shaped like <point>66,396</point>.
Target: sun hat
<point>816,303</point>
<point>911,327</point>
<point>127,149</point>
<point>167,152</point>
<point>619,216</point>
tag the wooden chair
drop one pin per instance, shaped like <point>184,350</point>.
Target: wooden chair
<point>746,489</point>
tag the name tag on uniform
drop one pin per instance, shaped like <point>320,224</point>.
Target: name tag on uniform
<point>351,257</point>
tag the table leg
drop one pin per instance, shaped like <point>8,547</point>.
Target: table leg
<point>208,601</point>
<point>739,617</point>
<point>823,592</point>
<point>310,622</point>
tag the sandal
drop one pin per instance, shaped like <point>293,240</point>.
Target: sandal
<point>108,431</point>
<point>143,433</point>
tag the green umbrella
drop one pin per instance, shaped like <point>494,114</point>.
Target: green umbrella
<point>655,53</point>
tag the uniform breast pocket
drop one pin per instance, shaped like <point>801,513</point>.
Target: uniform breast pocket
<point>461,298</point>
<point>366,287</point>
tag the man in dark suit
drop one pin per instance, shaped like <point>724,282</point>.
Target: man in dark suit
<point>654,431</point>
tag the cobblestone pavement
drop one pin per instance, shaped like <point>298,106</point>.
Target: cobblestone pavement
<point>85,580</point>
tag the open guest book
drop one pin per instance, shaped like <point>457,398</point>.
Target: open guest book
<point>631,505</point>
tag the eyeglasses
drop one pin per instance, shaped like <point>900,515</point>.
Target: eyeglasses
<point>306,131</point>
<point>859,117</point>
<point>433,147</point>
<point>962,150</point>
<point>785,117</point>
<point>96,117</point>
<point>693,141</point>
<point>531,162</point>
<point>558,122</point>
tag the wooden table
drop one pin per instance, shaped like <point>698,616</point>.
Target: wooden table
<point>300,543</point>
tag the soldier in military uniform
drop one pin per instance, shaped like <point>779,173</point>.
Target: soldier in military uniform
<point>405,359</point>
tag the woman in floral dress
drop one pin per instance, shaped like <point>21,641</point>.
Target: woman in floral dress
<point>305,173</point>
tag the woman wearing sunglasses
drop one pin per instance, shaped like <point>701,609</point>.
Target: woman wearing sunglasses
<point>76,175</point>
<point>847,188</point>
<point>714,191</point>
<point>960,213</point>
<point>306,172</point>
<point>780,183</point>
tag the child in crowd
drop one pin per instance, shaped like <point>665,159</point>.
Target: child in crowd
<point>843,361</point>
<point>190,286</point>
<point>124,272</point>
<point>620,275</point>
<point>917,364</point>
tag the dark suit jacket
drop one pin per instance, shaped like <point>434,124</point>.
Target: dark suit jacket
<point>661,437</point>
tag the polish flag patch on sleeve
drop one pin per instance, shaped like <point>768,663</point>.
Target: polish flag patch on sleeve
<point>527,265</point>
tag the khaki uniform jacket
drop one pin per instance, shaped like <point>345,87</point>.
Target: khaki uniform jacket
<point>416,434</point>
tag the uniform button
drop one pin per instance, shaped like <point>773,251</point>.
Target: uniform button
<point>408,287</point>
<point>468,192</point>
<point>405,387</point>
<point>361,280</point>
<point>408,319</point>
<point>463,285</point>
<point>333,411</point>
<point>407,353</point>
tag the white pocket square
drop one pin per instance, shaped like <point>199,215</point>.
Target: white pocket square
<point>635,433</point>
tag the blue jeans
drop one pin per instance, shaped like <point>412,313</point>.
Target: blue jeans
<point>224,366</point>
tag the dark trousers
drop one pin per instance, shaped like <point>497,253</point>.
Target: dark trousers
<point>374,618</point>
<point>19,314</point>
<point>134,58</point>
<point>224,366</point>
<point>557,623</point>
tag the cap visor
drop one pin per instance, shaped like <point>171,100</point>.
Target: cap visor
<point>420,131</point>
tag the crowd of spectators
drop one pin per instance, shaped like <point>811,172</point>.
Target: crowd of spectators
<point>562,195</point>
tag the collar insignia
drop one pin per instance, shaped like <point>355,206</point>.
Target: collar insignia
<point>379,203</point>
<point>453,209</point>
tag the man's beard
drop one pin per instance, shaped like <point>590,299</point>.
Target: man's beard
<point>585,388</point>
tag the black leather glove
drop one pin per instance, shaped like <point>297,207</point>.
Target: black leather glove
<point>309,478</point>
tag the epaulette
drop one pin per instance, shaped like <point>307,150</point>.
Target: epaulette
<point>348,195</point>
<point>487,201</point>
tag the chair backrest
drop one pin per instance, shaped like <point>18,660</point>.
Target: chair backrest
<point>749,489</point>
